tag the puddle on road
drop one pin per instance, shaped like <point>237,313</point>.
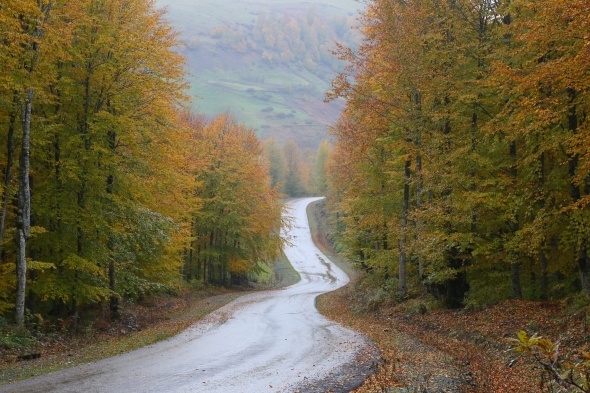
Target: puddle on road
<point>328,265</point>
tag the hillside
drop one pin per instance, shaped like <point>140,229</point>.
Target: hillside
<point>266,62</point>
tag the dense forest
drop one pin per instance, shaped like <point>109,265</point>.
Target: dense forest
<point>110,189</point>
<point>462,158</point>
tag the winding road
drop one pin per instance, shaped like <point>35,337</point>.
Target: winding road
<point>271,341</point>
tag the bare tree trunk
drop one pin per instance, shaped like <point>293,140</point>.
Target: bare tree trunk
<point>23,230</point>
<point>514,257</point>
<point>403,286</point>
<point>10,147</point>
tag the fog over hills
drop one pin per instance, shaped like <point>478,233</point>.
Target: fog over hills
<point>268,62</point>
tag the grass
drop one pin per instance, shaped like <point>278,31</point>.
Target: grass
<point>318,233</point>
<point>281,274</point>
<point>243,84</point>
<point>303,118</point>
<point>139,326</point>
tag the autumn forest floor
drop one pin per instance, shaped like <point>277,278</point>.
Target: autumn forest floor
<point>428,349</point>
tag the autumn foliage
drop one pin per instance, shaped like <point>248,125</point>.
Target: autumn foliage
<point>123,188</point>
<point>462,161</point>
<point>237,228</point>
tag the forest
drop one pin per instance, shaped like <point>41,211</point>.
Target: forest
<point>461,163</point>
<point>290,39</point>
<point>459,184</point>
<point>459,168</point>
<point>111,190</point>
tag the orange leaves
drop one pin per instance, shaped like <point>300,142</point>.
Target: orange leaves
<point>237,225</point>
<point>110,163</point>
<point>488,101</point>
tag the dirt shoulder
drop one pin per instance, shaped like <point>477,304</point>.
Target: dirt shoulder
<point>408,363</point>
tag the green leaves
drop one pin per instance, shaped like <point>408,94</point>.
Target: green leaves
<point>493,133</point>
<point>110,162</point>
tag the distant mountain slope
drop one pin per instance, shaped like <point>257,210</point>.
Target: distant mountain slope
<point>268,62</point>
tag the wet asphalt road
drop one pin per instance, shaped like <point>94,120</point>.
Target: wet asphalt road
<point>272,341</point>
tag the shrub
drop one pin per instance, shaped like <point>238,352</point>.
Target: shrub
<point>569,373</point>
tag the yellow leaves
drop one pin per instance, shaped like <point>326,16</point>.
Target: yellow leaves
<point>565,372</point>
<point>37,230</point>
<point>237,224</point>
<point>239,265</point>
<point>526,343</point>
<point>78,264</point>
<point>40,266</point>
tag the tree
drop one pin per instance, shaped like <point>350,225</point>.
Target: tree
<point>466,108</point>
<point>109,160</point>
<point>237,229</point>
<point>276,162</point>
<point>319,170</point>
<point>30,21</point>
<point>294,183</point>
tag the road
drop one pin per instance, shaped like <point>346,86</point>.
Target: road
<point>271,341</point>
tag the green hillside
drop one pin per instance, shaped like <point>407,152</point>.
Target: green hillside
<point>267,62</point>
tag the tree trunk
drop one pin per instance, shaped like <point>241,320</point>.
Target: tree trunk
<point>584,264</point>
<point>403,288</point>
<point>514,257</point>
<point>515,274</point>
<point>544,276</point>
<point>10,147</point>
<point>114,299</point>
<point>110,189</point>
<point>419,185</point>
<point>23,230</point>
<point>21,275</point>
<point>576,195</point>
<point>24,192</point>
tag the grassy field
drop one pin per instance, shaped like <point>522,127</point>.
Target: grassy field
<point>284,101</point>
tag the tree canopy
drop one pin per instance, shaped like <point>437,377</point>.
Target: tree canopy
<point>107,187</point>
<point>461,156</point>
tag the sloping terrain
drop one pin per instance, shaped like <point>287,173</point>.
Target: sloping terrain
<point>269,63</point>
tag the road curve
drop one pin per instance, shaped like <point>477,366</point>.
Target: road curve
<point>272,341</point>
